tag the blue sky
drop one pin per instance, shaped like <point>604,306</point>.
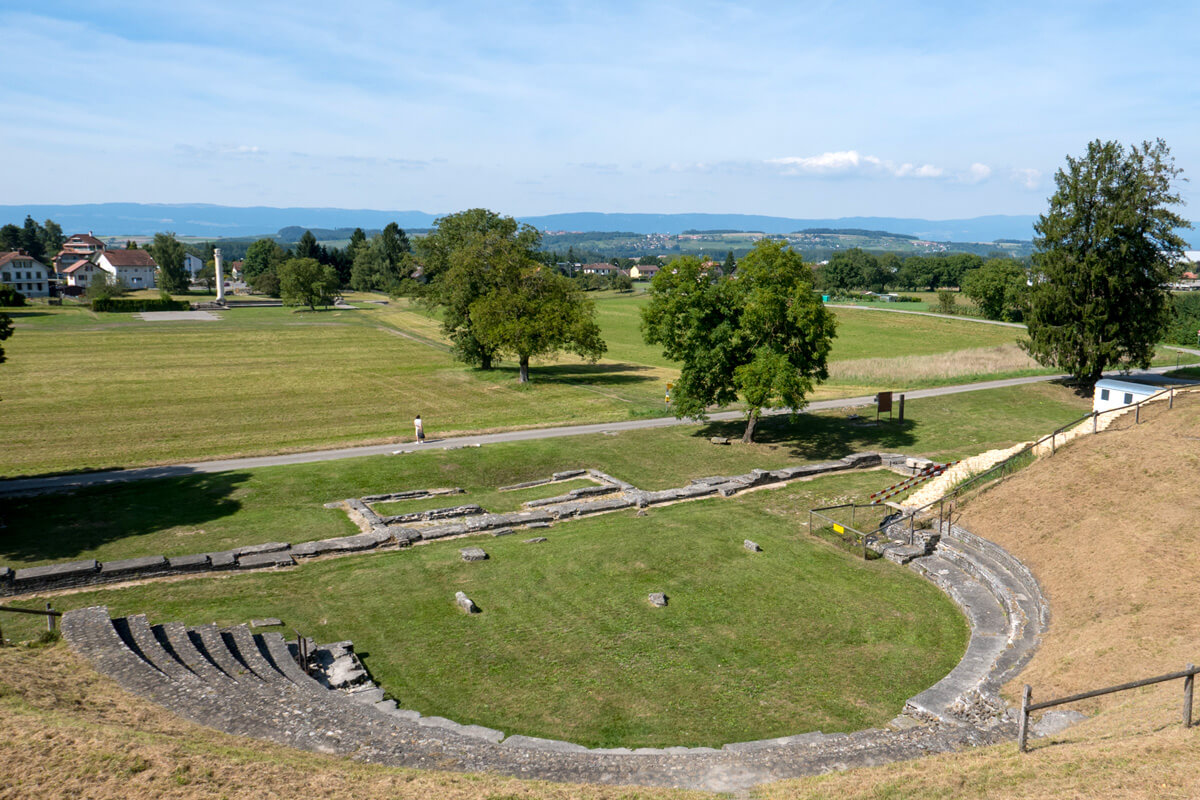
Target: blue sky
<point>805,109</point>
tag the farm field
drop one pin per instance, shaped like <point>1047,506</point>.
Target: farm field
<point>841,643</point>
<point>208,512</point>
<point>91,391</point>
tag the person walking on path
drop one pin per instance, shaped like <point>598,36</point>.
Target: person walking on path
<point>420,429</point>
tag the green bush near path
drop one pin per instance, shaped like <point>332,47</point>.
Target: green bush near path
<point>799,637</point>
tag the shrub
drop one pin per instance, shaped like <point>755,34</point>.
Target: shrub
<point>10,297</point>
<point>113,304</point>
<point>946,304</point>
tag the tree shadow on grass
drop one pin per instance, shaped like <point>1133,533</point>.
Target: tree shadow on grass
<point>818,437</point>
<point>21,314</point>
<point>591,374</point>
<point>56,527</point>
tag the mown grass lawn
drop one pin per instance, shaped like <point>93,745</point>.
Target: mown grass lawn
<point>799,637</point>
<point>90,391</point>
<point>217,511</point>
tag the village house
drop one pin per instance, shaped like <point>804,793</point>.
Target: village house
<point>193,265</point>
<point>25,273</point>
<point>643,272</point>
<point>75,249</point>
<point>134,268</point>
<point>599,269</point>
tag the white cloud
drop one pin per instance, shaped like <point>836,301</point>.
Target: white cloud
<point>1028,177</point>
<point>845,162</point>
<point>977,173</point>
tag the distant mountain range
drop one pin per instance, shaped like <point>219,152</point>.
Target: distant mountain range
<point>199,219</point>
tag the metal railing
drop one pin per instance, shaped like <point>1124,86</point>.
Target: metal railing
<point>946,503</point>
<point>1188,675</point>
<point>50,614</point>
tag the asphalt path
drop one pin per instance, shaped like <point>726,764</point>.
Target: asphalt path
<point>68,482</point>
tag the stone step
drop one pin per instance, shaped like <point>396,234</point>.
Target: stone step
<point>989,638</point>
<point>185,650</point>
<point>245,648</point>
<point>215,646</point>
<point>153,650</point>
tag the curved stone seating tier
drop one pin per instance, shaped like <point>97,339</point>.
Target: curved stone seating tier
<point>246,683</point>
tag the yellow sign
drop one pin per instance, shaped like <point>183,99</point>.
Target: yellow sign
<point>838,528</point>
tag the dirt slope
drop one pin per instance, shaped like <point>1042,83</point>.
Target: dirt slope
<point>1111,527</point>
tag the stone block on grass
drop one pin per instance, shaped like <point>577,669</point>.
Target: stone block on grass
<point>134,566</point>
<point>658,599</point>
<point>262,560</point>
<point>465,603</point>
<point>56,572</point>
<point>534,540</point>
<point>751,546</point>
<point>194,561</point>
<point>473,554</point>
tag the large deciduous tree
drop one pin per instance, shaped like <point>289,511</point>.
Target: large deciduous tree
<point>307,282</point>
<point>262,256</point>
<point>463,258</point>
<point>1103,255</point>
<point>999,288</point>
<point>534,311</point>
<point>169,254</point>
<point>762,335</point>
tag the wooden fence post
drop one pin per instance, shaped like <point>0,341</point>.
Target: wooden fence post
<point>1095,416</point>
<point>1171,400</point>
<point>1023,729</point>
<point>1188,682</point>
<point>49,619</point>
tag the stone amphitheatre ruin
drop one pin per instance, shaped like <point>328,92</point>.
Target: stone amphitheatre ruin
<point>318,698</point>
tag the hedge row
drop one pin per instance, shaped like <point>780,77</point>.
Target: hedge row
<point>121,304</point>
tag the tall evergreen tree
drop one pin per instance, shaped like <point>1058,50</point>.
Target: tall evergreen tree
<point>307,247</point>
<point>1104,252</point>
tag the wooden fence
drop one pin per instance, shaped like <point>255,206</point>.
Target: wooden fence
<point>50,614</point>
<point>1188,675</point>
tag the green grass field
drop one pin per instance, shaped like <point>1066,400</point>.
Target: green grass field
<point>799,637</point>
<point>209,512</point>
<point>88,391</point>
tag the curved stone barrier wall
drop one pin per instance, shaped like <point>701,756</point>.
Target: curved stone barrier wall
<point>249,684</point>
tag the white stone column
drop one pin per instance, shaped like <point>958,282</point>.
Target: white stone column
<point>220,275</point>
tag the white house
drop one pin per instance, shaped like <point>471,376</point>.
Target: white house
<point>135,268</point>
<point>25,273</point>
<point>193,266</point>
<point>82,273</point>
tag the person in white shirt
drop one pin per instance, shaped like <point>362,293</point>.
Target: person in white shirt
<point>420,429</point>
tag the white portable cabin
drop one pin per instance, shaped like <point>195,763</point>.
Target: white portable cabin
<point>1116,392</point>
